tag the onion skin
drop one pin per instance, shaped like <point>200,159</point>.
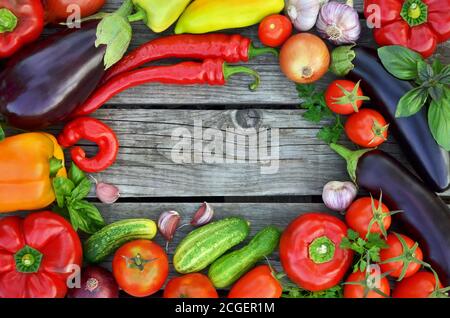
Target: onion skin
<point>304,58</point>
<point>96,282</point>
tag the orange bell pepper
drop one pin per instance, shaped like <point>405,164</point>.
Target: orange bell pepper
<point>28,163</point>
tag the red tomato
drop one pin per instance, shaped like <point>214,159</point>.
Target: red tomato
<point>59,10</point>
<point>361,213</point>
<point>367,128</point>
<point>194,285</point>
<point>274,30</point>
<point>257,283</point>
<point>396,249</point>
<point>310,251</point>
<point>344,97</point>
<point>358,291</point>
<point>140,267</point>
<point>420,285</point>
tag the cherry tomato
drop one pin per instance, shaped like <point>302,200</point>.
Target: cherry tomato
<point>59,10</point>
<point>274,30</point>
<point>420,285</point>
<point>194,285</point>
<point>140,267</point>
<point>258,283</point>
<point>367,128</point>
<point>361,212</point>
<point>396,249</point>
<point>344,97</point>
<point>359,291</point>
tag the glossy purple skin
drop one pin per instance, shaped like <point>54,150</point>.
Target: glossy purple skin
<point>424,217</point>
<point>96,282</point>
<point>46,81</point>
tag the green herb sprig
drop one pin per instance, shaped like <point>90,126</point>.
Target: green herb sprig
<point>318,111</point>
<point>432,85</point>
<point>70,195</point>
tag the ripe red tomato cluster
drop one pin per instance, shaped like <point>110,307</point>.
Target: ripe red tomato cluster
<point>365,127</point>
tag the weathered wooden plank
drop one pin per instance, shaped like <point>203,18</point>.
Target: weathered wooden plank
<point>275,88</point>
<point>147,165</point>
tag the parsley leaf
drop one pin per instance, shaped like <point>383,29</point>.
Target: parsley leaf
<point>293,291</point>
<point>313,102</point>
<point>366,249</point>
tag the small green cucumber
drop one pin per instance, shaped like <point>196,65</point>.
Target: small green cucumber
<point>204,245</point>
<point>111,237</point>
<point>230,267</point>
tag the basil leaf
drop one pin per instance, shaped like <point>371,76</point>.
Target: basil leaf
<point>412,102</point>
<point>444,76</point>
<point>81,190</point>
<point>76,175</point>
<point>63,187</point>
<point>437,66</point>
<point>2,133</point>
<point>74,218</point>
<point>436,92</point>
<point>400,61</point>
<point>424,71</point>
<point>88,217</point>
<point>439,121</point>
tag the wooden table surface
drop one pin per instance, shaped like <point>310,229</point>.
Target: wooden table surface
<point>150,182</point>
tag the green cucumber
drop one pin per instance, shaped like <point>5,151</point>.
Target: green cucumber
<point>204,245</point>
<point>230,267</point>
<point>111,237</point>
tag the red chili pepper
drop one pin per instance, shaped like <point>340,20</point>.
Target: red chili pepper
<point>37,255</point>
<point>417,24</point>
<point>21,22</point>
<point>93,130</point>
<point>310,251</point>
<point>210,71</point>
<point>231,48</point>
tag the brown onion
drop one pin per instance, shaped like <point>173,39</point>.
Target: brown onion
<point>304,58</point>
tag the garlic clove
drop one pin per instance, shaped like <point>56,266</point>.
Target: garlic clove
<point>338,196</point>
<point>203,215</point>
<point>168,223</point>
<point>107,193</point>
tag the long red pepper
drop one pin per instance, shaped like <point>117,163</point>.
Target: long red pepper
<point>232,48</point>
<point>210,71</point>
<point>93,130</point>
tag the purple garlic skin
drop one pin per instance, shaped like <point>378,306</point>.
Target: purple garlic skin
<point>107,193</point>
<point>168,223</point>
<point>203,215</point>
<point>338,196</point>
<point>339,23</point>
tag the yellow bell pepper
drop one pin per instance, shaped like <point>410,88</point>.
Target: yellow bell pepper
<point>28,163</point>
<point>159,15</point>
<point>204,16</point>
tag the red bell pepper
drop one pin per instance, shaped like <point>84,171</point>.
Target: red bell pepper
<point>21,22</point>
<point>417,24</point>
<point>310,251</point>
<point>36,255</point>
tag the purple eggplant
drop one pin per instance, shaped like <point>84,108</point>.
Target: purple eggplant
<point>425,217</point>
<point>430,161</point>
<point>46,81</point>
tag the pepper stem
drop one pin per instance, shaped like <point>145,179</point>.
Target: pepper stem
<point>8,21</point>
<point>321,250</point>
<point>139,15</point>
<point>28,260</point>
<point>352,158</point>
<point>125,9</point>
<point>258,51</point>
<point>414,12</point>
<point>229,71</point>
<point>55,165</point>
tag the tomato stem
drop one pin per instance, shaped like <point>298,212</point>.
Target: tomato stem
<point>321,250</point>
<point>8,21</point>
<point>350,97</point>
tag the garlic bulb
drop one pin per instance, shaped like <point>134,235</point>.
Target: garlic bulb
<point>339,23</point>
<point>338,196</point>
<point>303,13</point>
